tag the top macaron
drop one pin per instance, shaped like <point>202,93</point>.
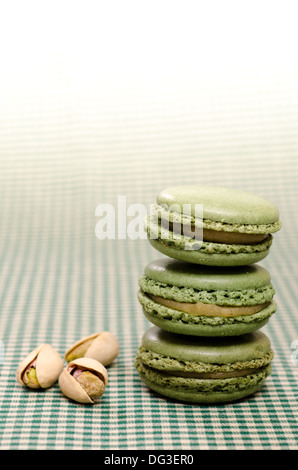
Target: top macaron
<point>211,225</point>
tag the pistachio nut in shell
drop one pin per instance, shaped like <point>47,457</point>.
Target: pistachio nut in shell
<point>104,347</point>
<point>41,368</point>
<point>84,380</point>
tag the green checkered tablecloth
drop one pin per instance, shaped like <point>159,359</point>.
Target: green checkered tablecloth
<point>82,124</point>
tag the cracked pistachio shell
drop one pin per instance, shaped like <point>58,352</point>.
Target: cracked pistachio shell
<point>49,365</point>
<point>71,388</point>
<point>104,347</point>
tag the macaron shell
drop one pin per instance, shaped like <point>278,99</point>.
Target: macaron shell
<point>183,274</point>
<point>209,259</point>
<point>228,329</point>
<point>208,350</point>
<point>222,204</point>
<point>183,218</point>
<point>236,298</point>
<point>175,366</point>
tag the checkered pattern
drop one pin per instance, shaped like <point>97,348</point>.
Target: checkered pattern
<point>72,137</point>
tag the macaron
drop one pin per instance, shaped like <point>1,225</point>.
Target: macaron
<point>203,370</point>
<point>198,300</point>
<point>211,225</point>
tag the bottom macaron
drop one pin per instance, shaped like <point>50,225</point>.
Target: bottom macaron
<point>203,370</point>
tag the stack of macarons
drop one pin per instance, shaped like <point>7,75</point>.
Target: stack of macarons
<point>207,298</point>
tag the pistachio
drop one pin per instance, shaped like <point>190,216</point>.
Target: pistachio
<point>91,383</point>
<point>30,377</point>
<point>84,380</point>
<point>79,351</point>
<point>104,347</point>
<point>41,368</point>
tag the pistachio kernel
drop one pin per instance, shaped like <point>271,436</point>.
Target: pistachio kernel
<point>91,383</point>
<point>30,378</point>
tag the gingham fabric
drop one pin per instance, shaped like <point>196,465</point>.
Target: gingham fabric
<point>79,128</point>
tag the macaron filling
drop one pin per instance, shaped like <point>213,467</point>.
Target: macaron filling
<point>216,236</point>
<point>226,378</point>
<point>233,237</point>
<point>181,322</point>
<point>200,308</point>
<point>201,370</point>
<point>212,375</point>
<point>163,234</point>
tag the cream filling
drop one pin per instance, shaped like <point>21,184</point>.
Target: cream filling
<point>211,375</point>
<point>216,236</point>
<point>233,237</point>
<point>210,310</point>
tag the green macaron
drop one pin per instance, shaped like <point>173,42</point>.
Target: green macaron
<point>213,226</point>
<point>189,299</point>
<point>203,370</point>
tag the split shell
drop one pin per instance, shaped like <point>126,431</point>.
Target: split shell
<point>71,388</point>
<point>104,347</point>
<point>49,365</point>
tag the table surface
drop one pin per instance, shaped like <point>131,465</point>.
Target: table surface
<point>74,135</point>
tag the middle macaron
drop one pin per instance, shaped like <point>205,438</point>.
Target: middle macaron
<point>199,300</point>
